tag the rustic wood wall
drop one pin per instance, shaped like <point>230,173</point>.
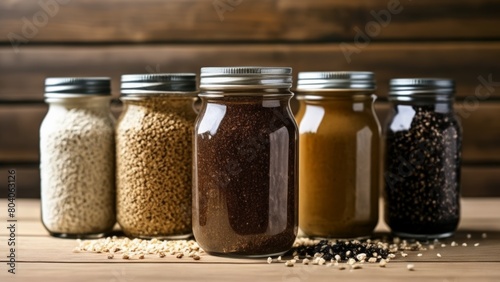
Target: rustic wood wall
<point>446,38</point>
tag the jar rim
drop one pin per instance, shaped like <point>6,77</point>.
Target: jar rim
<point>243,77</point>
<point>139,95</point>
<point>336,80</point>
<point>77,86</point>
<point>156,83</point>
<point>353,96</point>
<point>409,89</point>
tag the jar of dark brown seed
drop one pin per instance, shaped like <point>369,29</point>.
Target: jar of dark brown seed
<point>245,162</point>
<point>339,154</point>
<point>154,155</point>
<point>423,158</point>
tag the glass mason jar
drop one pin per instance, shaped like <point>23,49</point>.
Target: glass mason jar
<point>339,154</point>
<point>423,158</point>
<point>154,155</point>
<point>245,178</point>
<point>77,158</point>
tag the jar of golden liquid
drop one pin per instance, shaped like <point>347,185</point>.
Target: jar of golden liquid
<point>339,154</point>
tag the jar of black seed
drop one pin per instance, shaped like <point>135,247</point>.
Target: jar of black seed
<point>154,155</point>
<point>423,156</point>
<point>245,162</point>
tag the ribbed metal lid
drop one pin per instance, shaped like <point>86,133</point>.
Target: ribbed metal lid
<point>55,86</point>
<point>332,80</point>
<point>408,89</point>
<point>242,77</point>
<point>137,84</point>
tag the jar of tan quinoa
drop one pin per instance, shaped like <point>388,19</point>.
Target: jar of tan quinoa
<point>339,154</point>
<point>245,162</point>
<point>154,155</point>
<point>77,158</point>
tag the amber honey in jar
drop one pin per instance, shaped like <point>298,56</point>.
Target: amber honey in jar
<point>339,154</point>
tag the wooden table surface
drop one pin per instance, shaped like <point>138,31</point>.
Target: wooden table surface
<point>44,258</point>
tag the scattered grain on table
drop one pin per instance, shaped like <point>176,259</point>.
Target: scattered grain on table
<point>140,248</point>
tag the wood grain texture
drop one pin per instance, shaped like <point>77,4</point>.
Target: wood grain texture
<point>124,272</point>
<point>39,254</point>
<point>477,213</point>
<point>22,75</point>
<point>20,149</point>
<point>20,127</point>
<point>480,137</point>
<point>481,133</point>
<point>481,181</point>
<point>456,39</point>
<point>27,180</point>
<point>237,20</point>
<point>34,249</point>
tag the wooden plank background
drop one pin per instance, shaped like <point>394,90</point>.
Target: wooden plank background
<point>247,21</point>
<point>456,39</point>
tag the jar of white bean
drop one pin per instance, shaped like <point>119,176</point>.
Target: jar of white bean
<point>154,155</point>
<point>77,158</point>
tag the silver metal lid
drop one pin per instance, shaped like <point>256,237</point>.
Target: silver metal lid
<point>77,86</point>
<point>332,80</point>
<point>137,84</point>
<point>409,89</point>
<point>245,77</point>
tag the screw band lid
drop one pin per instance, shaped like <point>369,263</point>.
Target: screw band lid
<point>336,80</point>
<point>410,89</point>
<point>214,78</point>
<point>77,86</point>
<point>144,84</point>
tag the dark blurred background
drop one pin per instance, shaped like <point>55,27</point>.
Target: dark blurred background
<point>424,38</point>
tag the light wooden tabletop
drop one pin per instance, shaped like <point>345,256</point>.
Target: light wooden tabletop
<point>44,258</point>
